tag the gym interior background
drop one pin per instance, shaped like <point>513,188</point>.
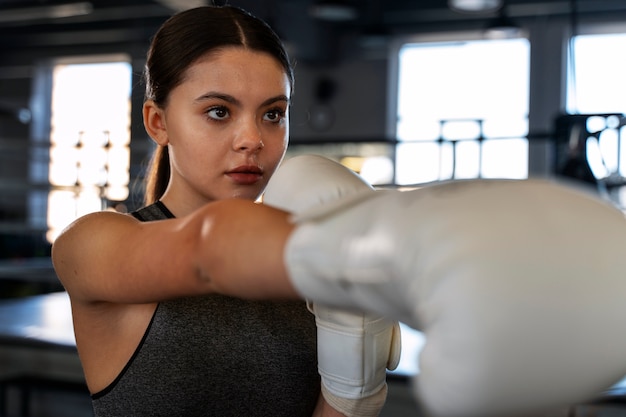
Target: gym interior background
<point>405,92</point>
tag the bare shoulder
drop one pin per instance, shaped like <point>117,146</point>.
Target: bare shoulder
<point>89,224</point>
<point>91,227</point>
<point>84,244</point>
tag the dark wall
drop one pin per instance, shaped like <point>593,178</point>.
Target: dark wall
<point>350,85</point>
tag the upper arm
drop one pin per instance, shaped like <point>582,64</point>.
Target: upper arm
<point>108,256</point>
<point>232,247</point>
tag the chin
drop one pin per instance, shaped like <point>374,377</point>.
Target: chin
<point>254,196</point>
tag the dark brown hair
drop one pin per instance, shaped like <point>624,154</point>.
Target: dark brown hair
<point>179,43</point>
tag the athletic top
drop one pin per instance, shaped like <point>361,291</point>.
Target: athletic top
<point>218,356</point>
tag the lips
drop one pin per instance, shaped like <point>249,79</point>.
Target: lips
<point>245,174</point>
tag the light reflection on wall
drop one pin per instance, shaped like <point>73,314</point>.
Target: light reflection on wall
<point>89,140</point>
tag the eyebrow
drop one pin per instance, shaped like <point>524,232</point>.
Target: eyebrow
<point>230,99</point>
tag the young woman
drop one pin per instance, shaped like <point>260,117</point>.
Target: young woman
<point>218,89</point>
<point>501,276</point>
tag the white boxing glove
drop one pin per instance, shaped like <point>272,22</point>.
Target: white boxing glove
<point>354,348</point>
<point>518,287</point>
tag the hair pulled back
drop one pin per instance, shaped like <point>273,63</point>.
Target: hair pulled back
<point>179,43</point>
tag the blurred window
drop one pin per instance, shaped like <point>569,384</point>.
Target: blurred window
<point>596,81</point>
<point>462,110</point>
<point>596,86</point>
<point>89,139</point>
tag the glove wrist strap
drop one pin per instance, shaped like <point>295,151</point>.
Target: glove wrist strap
<point>362,407</point>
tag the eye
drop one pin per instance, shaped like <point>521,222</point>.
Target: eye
<point>218,113</point>
<point>274,115</point>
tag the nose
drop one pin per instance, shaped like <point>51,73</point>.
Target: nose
<point>249,138</point>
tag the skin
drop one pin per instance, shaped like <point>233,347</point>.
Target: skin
<point>226,126</point>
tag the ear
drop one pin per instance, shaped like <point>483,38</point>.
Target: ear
<point>154,122</point>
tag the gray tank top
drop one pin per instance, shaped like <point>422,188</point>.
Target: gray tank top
<point>218,356</point>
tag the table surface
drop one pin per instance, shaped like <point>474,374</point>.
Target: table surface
<point>46,321</point>
<point>41,320</point>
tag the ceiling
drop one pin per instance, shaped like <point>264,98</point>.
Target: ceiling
<point>26,24</point>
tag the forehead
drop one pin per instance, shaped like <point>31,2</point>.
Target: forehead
<point>239,67</point>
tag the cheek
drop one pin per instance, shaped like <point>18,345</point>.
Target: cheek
<point>198,153</point>
<point>276,145</point>
<point>272,162</point>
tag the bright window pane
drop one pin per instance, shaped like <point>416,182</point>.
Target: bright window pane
<point>598,84</point>
<point>89,139</point>
<point>472,94</point>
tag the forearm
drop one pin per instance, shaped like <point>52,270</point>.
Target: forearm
<point>240,250</point>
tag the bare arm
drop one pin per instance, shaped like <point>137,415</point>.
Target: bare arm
<point>233,247</point>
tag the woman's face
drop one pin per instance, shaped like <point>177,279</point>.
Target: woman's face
<point>226,126</point>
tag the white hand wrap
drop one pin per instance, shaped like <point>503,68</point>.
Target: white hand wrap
<point>518,287</point>
<point>354,349</point>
